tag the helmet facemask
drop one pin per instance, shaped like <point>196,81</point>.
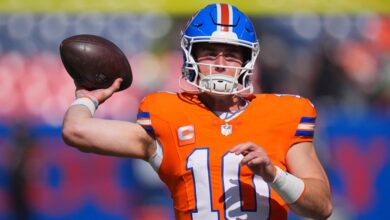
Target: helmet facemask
<point>213,82</point>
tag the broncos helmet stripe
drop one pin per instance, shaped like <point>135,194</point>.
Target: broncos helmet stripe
<point>219,23</point>
<point>225,17</point>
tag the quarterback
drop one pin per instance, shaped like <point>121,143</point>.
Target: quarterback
<point>222,151</point>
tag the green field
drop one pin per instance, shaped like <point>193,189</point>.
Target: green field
<point>188,7</point>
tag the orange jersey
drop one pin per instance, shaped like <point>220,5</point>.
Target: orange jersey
<point>205,180</point>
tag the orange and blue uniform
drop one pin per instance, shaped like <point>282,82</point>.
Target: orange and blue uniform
<point>204,178</point>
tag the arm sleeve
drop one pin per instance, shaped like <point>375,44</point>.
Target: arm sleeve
<point>144,116</point>
<point>305,126</point>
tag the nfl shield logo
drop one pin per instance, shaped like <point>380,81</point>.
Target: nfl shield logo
<point>226,129</point>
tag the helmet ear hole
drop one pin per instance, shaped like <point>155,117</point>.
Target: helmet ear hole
<point>191,75</point>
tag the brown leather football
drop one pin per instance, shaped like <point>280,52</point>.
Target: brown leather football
<point>95,62</point>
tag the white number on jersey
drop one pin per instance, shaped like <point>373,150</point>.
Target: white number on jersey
<point>198,161</point>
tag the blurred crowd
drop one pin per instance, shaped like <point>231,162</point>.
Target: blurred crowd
<point>338,59</point>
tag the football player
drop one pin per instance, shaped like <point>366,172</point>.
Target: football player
<point>223,152</point>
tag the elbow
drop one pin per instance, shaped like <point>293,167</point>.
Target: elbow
<point>72,135</point>
<point>69,134</point>
<point>319,211</point>
<point>327,211</point>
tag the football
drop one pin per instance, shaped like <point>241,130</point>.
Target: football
<point>95,62</point>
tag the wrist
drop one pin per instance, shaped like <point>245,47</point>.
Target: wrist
<point>88,101</point>
<point>288,186</point>
<point>93,99</point>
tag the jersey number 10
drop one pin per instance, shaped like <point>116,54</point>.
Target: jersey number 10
<point>199,163</point>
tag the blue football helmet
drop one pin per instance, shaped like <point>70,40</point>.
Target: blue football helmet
<point>219,23</point>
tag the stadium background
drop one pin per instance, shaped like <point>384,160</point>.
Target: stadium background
<point>336,53</point>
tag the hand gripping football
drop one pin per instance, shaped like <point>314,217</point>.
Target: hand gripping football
<point>95,62</point>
